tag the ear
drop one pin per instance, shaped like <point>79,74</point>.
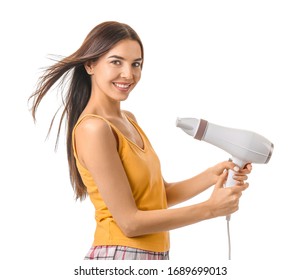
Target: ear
<point>89,67</point>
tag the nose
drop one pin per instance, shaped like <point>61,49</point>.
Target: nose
<point>127,72</point>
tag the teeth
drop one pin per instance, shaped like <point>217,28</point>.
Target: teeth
<point>122,85</point>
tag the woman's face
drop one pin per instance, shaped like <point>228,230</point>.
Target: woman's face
<point>116,73</point>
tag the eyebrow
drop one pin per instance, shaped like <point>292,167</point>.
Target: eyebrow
<point>122,58</point>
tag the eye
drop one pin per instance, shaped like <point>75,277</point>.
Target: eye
<point>116,62</point>
<point>136,64</point>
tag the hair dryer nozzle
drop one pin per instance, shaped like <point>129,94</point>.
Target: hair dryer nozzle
<point>188,125</point>
<point>193,127</point>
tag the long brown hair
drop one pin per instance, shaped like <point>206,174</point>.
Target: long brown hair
<point>76,96</point>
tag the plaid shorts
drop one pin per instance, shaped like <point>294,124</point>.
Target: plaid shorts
<point>123,253</point>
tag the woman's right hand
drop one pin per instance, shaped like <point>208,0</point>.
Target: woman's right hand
<point>225,201</point>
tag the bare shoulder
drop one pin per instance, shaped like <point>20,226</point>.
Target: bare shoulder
<point>93,129</point>
<point>94,140</point>
<point>93,125</point>
<point>130,115</point>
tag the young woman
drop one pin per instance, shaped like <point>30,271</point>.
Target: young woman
<point>111,159</point>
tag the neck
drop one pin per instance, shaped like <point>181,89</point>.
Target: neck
<point>104,106</point>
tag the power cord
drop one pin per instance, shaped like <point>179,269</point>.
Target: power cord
<point>228,230</point>
<point>228,235</point>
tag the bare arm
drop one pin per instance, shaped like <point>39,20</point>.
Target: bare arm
<point>181,191</point>
<point>97,150</point>
<point>184,190</point>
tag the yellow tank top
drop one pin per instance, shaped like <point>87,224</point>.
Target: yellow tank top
<point>143,170</point>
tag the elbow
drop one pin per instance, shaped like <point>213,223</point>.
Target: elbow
<point>129,233</point>
<point>130,226</point>
<point>129,229</point>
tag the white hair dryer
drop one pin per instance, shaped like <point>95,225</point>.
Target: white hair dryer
<point>244,146</point>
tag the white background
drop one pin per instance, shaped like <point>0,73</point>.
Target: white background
<point>234,63</point>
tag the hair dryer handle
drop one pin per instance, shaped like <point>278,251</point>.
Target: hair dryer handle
<point>230,181</point>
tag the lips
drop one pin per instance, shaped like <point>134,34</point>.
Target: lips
<point>122,86</point>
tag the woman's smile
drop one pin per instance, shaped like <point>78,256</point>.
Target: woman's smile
<point>122,86</point>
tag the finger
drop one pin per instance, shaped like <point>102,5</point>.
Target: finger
<point>247,169</point>
<point>243,172</point>
<point>222,179</point>
<point>240,182</point>
<point>238,177</point>
<point>239,188</point>
<point>232,166</point>
<point>244,186</point>
<point>226,165</point>
<point>236,198</point>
